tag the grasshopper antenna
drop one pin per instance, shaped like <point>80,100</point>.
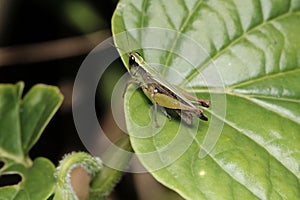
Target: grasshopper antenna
<point>128,40</point>
<point>122,49</point>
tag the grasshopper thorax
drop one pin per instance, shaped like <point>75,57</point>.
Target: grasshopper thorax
<point>137,69</point>
<point>133,64</point>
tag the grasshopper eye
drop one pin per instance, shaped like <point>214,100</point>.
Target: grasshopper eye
<point>131,60</point>
<point>131,57</point>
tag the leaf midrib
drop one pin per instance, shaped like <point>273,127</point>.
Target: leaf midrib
<point>247,135</point>
<point>182,27</point>
<point>265,77</point>
<point>170,170</point>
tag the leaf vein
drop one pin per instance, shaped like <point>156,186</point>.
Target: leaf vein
<point>185,23</point>
<point>213,57</point>
<point>265,77</point>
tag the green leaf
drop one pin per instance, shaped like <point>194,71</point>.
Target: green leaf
<point>21,124</point>
<point>245,57</point>
<point>38,106</point>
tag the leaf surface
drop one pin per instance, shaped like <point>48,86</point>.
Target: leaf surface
<point>244,56</point>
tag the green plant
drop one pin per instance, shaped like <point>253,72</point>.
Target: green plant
<point>22,121</point>
<point>251,47</point>
<point>21,124</point>
<point>255,48</point>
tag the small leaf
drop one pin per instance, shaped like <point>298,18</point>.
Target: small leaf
<point>37,108</point>
<point>21,124</point>
<point>244,58</point>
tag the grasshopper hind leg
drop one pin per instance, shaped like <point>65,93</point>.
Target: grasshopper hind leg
<point>164,111</point>
<point>201,115</point>
<point>186,116</point>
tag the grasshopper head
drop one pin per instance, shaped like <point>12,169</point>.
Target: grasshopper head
<point>131,60</point>
<point>135,60</point>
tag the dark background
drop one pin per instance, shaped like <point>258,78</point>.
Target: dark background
<point>32,22</point>
<point>23,24</point>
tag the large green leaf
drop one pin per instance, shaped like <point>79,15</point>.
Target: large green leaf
<point>248,66</point>
<point>21,124</point>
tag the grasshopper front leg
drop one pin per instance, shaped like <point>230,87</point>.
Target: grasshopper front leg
<point>152,93</point>
<point>130,81</point>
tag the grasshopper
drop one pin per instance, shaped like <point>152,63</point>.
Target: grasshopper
<point>162,93</point>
